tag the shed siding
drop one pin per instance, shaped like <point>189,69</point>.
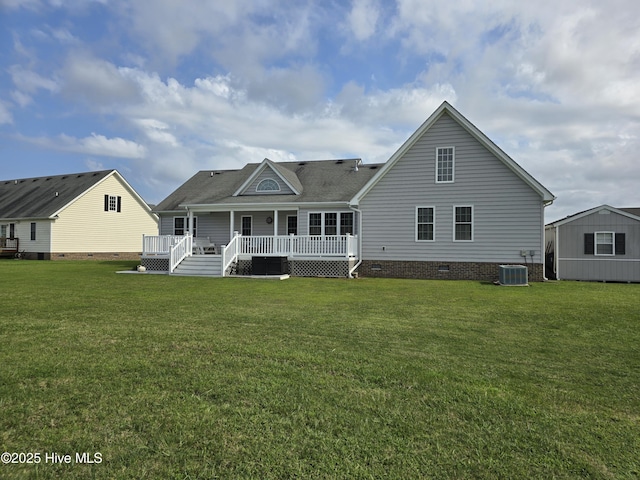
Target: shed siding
<point>573,264</point>
<point>508,213</point>
<point>84,226</point>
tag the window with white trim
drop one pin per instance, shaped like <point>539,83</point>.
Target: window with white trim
<point>346,223</point>
<point>445,164</point>
<point>463,223</point>
<point>181,226</point>
<point>292,225</point>
<point>330,223</point>
<point>604,243</point>
<point>425,224</point>
<point>112,203</point>
<point>268,185</point>
<point>246,223</point>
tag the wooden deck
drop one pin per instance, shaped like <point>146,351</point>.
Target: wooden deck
<point>9,246</point>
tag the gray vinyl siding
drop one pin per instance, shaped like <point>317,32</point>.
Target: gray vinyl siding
<point>268,173</point>
<point>574,264</point>
<point>508,213</point>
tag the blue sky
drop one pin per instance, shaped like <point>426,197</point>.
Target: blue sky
<point>159,89</point>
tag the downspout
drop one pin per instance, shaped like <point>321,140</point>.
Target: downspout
<point>359,215</point>
<point>556,252</point>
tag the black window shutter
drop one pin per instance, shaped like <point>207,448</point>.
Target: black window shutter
<point>106,203</point>
<point>589,244</point>
<point>620,244</point>
<point>119,207</point>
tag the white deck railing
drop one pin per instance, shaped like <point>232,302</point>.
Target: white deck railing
<point>180,251</point>
<point>345,246</point>
<point>159,244</point>
<point>176,248</point>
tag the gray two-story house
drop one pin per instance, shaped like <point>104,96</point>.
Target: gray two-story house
<point>448,204</point>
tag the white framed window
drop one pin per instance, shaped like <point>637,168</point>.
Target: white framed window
<point>181,226</point>
<point>463,223</point>
<point>246,223</point>
<point>445,164</point>
<point>330,223</point>
<point>425,224</point>
<point>268,185</point>
<point>112,203</point>
<point>292,224</point>
<point>346,223</point>
<point>604,243</point>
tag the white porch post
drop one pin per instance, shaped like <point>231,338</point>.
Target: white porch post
<point>190,222</point>
<point>232,221</point>
<point>275,223</point>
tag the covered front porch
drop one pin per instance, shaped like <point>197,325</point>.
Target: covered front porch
<point>307,255</point>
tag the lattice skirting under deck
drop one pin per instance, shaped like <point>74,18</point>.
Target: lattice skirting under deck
<point>306,268</point>
<point>155,264</point>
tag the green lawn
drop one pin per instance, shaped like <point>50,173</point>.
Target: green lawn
<point>172,377</point>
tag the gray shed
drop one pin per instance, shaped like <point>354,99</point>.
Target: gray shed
<point>600,244</point>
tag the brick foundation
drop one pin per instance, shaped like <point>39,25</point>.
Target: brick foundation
<point>441,270</point>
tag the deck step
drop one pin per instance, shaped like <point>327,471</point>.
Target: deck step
<point>200,266</point>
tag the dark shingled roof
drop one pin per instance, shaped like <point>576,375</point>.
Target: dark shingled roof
<point>321,181</point>
<point>41,197</point>
<point>632,211</point>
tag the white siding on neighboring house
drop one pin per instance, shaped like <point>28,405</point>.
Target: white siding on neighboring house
<point>85,226</point>
<point>42,243</point>
<point>507,212</point>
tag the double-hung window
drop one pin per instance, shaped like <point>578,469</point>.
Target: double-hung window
<point>330,223</point>
<point>604,243</point>
<point>425,224</point>
<point>463,223</point>
<point>181,226</point>
<point>445,164</point>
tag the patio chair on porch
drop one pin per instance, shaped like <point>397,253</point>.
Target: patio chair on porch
<point>203,245</point>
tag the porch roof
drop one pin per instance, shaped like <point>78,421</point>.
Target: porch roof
<point>323,182</point>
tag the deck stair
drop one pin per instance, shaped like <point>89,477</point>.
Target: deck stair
<point>201,266</point>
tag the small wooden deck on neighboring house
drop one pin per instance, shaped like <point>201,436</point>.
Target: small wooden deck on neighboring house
<point>9,246</point>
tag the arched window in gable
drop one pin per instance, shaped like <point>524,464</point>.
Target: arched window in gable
<point>268,185</point>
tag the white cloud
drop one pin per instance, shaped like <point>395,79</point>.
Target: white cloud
<point>29,81</point>
<point>363,19</point>
<point>84,77</point>
<point>5,114</point>
<point>97,145</point>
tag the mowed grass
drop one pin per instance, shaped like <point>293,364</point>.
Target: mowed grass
<point>172,377</point>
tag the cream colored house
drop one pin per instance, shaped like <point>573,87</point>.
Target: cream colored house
<point>91,215</point>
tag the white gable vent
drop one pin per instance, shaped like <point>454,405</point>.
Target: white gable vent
<point>514,275</point>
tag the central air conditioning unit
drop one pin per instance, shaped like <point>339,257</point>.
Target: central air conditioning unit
<point>514,275</point>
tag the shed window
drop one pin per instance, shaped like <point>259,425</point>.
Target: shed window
<point>604,243</point>
<point>445,163</point>
<point>33,231</point>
